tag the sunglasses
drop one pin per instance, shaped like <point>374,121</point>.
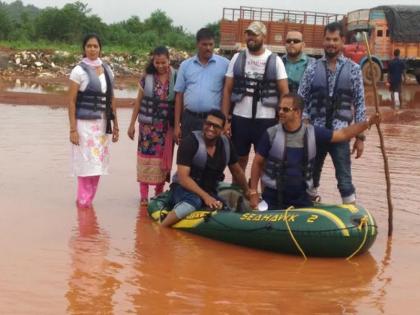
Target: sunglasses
<point>210,124</point>
<point>293,41</point>
<point>286,109</point>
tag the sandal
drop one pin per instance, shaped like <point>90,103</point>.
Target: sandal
<point>316,198</point>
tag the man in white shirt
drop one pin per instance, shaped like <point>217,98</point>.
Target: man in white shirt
<point>255,81</point>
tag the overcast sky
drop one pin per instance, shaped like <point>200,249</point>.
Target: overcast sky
<point>193,14</point>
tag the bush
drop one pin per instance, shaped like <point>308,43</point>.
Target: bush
<point>68,25</point>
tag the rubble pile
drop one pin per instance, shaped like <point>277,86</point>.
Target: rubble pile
<point>48,63</point>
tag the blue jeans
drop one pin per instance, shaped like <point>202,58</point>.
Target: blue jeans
<point>340,155</point>
<point>180,196</point>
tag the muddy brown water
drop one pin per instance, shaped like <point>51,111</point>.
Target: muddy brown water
<point>56,259</point>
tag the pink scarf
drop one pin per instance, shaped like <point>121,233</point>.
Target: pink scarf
<point>93,63</point>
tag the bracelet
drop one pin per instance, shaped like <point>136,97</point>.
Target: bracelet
<point>252,192</point>
<point>361,137</point>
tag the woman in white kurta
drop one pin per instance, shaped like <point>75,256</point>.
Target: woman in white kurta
<point>91,108</point>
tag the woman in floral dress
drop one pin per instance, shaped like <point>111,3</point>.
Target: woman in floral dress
<point>153,109</point>
<point>91,111</point>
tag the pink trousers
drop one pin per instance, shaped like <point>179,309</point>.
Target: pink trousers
<point>144,190</point>
<point>86,190</point>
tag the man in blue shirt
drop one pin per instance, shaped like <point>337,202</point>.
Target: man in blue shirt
<point>295,61</point>
<point>333,92</point>
<point>286,152</point>
<point>199,85</point>
<point>396,75</point>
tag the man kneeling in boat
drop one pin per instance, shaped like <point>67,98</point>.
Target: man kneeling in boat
<point>201,160</point>
<point>285,155</point>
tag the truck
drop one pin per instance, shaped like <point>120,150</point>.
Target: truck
<point>387,28</point>
<point>381,24</point>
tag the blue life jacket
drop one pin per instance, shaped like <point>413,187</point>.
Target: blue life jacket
<point>265,89</point>
<point>152,108</point>
<point>274,172</point>
<point>339,105</point>
<point>200,159</point>
<point>92,102</point>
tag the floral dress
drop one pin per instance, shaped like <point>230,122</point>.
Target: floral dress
<point>155,143</point>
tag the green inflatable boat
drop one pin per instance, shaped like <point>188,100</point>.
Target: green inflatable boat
<point>322,230</point>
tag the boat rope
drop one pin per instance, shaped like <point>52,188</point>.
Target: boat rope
<point>363,223</point>
<point>292,236</point>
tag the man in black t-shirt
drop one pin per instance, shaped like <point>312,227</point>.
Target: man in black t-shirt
<point>201,160</point>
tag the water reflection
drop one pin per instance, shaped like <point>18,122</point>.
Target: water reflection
<point>410,96</point>
<point>181,277</point>
<point>37,88</point>
<point>122,90</point>
<point>92,282</point>
<point>128,90</point>
<point>384,278</point>
<point>111,263</point>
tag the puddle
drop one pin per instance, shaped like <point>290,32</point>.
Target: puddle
<point>127,90</point>
<point>20,86</point>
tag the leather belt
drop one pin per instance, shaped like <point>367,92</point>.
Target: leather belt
<point>201,115</point>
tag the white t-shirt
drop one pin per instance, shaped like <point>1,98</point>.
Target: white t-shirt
<point>254,68</point>
<point>80,76</point>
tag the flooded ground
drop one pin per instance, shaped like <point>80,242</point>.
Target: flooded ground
<point>114,260</point>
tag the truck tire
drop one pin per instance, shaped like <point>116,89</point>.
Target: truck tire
<point>367,75</point>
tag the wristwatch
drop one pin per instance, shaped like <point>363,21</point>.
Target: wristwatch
<point>361,137</point>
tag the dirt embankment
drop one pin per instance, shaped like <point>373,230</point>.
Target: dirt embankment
<point>49,63</point>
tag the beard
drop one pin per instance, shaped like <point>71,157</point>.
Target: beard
<point>294,54</point>
<point>331,54</point>
<point>255,47</point>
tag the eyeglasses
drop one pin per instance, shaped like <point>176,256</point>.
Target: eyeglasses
<point>293,41</point>
<point>210,124</point>
<point>286,109</point>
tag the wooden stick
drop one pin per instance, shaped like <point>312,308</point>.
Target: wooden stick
<point>381,138</point>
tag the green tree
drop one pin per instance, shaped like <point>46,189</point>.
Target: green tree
<point>68,24</point>
<point>158,22</point>
<point>134,25</point>
<point>50,25</point>
<point>5,24</point>
<point>94,24</point>
<point>215,27</point>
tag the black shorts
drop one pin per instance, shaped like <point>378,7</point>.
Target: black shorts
<point>191,121</point>
<point>247,131</point>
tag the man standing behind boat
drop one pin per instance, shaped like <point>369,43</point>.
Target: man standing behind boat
<point>286,154</point>
<point>201,160</point>
<point>332,88</point>
<point>255,81</point>
<point>199,86</point>
<point>295,61</point>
